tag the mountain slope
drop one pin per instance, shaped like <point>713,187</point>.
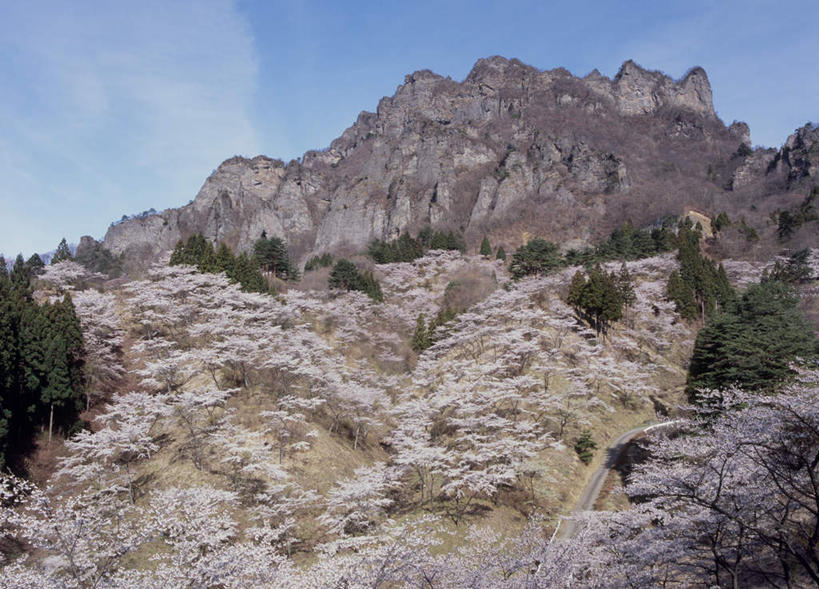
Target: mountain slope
<point>510,150</point>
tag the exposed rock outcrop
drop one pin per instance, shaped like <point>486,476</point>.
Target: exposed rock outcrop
<point>510,150</point>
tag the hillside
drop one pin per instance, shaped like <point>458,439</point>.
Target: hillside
<point>517,269</point>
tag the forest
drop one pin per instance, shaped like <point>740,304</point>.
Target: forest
<point>426,420</point>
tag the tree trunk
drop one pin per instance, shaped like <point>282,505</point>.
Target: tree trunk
<point>50,422</point>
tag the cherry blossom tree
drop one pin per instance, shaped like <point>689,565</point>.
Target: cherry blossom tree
<point>356,504</point>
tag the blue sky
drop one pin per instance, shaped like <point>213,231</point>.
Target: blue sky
<point>112,108</point>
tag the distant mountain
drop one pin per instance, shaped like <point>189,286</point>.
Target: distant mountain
<point>511,151</point>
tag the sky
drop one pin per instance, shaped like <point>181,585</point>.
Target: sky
<point>112,108</point>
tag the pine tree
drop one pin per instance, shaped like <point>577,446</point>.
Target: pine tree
<point>225,261</point>
<point>247,274</point>
<point>420,339</point>
<point>35,265</point>
<point>344,275</point>
<point>272,256</point>
<point>178,254</point>
<point>8,363</point>
<point>585,447</point>
<point>486,248</point>
<point>370,286</point>
<point>20,275</point>
<point>625,286</point>
<point>538,256</point>
<point>753,344</point>
<point>576,288</point>
<point>207,262</point>
<point>597,299</point>
<point>62,254</point>
<point>682,295</point>
<point>501,254</point>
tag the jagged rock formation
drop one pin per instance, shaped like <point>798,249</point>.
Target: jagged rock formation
<point>510,151</point>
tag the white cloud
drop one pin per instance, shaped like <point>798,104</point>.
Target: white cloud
<point>112,107</point>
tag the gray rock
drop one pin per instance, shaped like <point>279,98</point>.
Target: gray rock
<point>510,151</point>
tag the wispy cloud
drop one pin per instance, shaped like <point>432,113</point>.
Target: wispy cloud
<point>108,106</point>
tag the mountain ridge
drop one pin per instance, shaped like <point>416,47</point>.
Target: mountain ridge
<point>510,151</point>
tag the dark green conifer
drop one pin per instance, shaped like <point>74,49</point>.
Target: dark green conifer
<point>344,275</point>
<point>35,265</point>
<point>225,261</point>
<point>538,256</point>
<point>486,248</point>
<point>576,288</point>
<point>625,286</point>
<point>62,254</point>
<point>20,275</point>
<point>585,447</point>
<point>370,286</point>
<point>753,344</point>
<point>420,339</point>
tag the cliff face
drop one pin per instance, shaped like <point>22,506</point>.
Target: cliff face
<point>509,151</point>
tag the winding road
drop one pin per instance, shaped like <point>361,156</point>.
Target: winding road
<point>567,527</point>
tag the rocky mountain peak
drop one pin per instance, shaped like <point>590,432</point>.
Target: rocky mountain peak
<point>510,151</point>
<point>640,91</point>
<point>497,71</point>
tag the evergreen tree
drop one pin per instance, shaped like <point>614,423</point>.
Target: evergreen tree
<point>41,364</point>
<point>625,286</point>
<point>178,254</point>
<point>585,447</point>
<point>272,256</point>
<point>598,300</point>
<point>316,262</point>
<point>795,270</point>
<point>56,391</point>
<point>33,340</point>
<point>344,275</point>
<point>99,259</point>
<point>225,261</point>
<point>682,295</point>
<point>420,339</point>
<point>720,222</point>
<point>20,275</point>
<point>370,286</point>
<point>62,254</point>
<point>8,363</point>
<point>447,241</point>
<point>576,288</point>
<point>407,249</point>
<point>35,265</point>
<point>425,236</point>
<point>501,254</point>
<point>753,344</point>
<point>538,256</point>
<point>247,274</point>
<point>486,248</point>
<point>208,263</point>
<point>698,280</point>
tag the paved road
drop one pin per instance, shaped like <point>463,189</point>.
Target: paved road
<point>595,484</point>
